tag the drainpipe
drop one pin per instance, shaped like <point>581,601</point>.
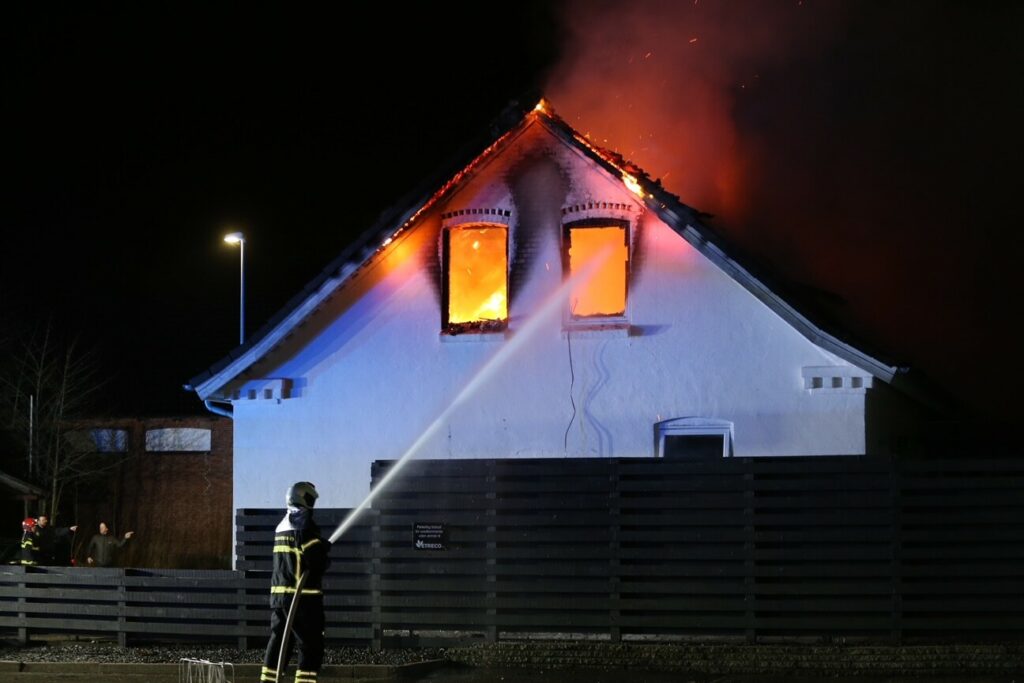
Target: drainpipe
<point>209,403</point>
<point>216,410</point>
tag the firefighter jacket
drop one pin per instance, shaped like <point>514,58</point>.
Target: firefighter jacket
<point>30,548</point>
<point>298,549</point>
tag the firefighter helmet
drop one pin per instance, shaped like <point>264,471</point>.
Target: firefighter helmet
<point>29,524</point>
<point>302,494</point>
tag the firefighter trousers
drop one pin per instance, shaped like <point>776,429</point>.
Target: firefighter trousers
<point>307,635</point>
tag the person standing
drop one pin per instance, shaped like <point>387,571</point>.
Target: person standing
<point>29,542</point>
<point>49,537</point>
<point>299,550</point>
<point>103,547</point>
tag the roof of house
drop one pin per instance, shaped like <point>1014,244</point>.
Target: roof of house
<point>19,486</point>
<point>784,299</point>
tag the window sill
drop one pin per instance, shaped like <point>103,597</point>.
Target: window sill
<point>473,337</point>
<point>607,328</point>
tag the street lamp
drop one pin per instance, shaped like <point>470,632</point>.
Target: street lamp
<point>239,239</point>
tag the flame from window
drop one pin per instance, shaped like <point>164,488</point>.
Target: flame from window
<point>477,267</point>
<point>604,293</point>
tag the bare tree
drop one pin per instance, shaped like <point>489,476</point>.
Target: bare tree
<point>46,384</point>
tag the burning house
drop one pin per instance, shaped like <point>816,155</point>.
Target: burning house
<point>637,333</point>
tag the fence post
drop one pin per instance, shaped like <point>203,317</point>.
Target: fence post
<point>749,563</point>
<point>896,550</point>
<point>491,598</point>
<point>376,627</point>
<point>240,593</point>
<point>614,557</point>
<point>122,607</point>
<point>241,576</point>
<point>22,600</point>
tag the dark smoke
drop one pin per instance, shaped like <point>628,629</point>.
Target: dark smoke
<point>661,82</point>
<point>866,151</point>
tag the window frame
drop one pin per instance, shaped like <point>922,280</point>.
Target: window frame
<point>694,426</point>
<point>157,440</point>
<point>572,321</point>
<point>101,440</point>
<point>480,327</point>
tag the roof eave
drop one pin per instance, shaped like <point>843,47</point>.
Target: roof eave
<point>207,384</point>
<point>20,485</point>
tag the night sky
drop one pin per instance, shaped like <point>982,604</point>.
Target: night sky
<point>866,152</point>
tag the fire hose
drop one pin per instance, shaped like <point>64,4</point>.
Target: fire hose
<point>282,656</point>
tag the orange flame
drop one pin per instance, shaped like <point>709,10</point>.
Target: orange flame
<point>478,262</point>
<point>633,185</point>
<point>604,292</point>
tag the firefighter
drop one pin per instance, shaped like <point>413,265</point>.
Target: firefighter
<point>298,549</point>
<point>29,542</point>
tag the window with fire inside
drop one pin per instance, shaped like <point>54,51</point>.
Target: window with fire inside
<point>475,262</point>
<point>595,258</point>
<point>475,284</point>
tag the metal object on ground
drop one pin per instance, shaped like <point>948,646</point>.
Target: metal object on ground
<point>204,671</point>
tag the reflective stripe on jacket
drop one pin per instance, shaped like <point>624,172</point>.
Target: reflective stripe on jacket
<point>29,548</point>
<point>298,549</point>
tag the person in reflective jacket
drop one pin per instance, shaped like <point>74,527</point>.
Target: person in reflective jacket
<point>30,552</point>
<point>298,549</point>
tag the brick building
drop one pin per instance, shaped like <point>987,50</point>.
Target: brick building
<point>171,486</point>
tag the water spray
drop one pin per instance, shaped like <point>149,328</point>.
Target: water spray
<point>532,326</point>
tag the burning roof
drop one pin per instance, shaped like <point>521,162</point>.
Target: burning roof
<point>685,220</point>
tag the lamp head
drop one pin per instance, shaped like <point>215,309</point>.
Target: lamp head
<point>234,238</point>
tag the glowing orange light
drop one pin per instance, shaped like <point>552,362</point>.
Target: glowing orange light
<point>633,185</point>
<point>604,293</point>
<point>477,285</point>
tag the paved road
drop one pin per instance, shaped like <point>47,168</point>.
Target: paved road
<point>633,676</point>
<point>524,676</point>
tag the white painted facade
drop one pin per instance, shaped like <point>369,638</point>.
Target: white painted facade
<point>370,370</point>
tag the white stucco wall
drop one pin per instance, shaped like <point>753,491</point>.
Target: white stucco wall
<point>373,371</point>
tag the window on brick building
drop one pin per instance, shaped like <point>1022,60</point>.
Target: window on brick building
<point>178,440</point>
<point>100,440</point>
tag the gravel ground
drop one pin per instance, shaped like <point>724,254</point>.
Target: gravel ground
<point>157,654</point>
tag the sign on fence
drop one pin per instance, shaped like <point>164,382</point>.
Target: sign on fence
<point>429,536</point>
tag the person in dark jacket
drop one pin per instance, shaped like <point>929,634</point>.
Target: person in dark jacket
<point>103,547</point>
<point>51,539</point>
<point>299,550</point>
<point>29,542</point>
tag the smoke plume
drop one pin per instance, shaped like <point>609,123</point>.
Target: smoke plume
<point>865,151</point>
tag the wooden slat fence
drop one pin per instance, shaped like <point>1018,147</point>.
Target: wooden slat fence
<point>752,548</point>
<point>134,603</point>
<point>611,549</point>
<point>348,584</point>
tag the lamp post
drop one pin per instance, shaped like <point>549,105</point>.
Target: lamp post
<point>239,239</point>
